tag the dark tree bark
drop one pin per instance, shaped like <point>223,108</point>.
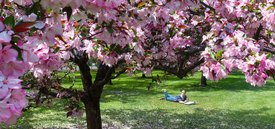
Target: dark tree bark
<point>203,81</point>
<point>143,75</point>
<point>92,109</point>
<point>110,82</point>
<point>90,100</point>
<point>92,91</point>
<point>90,97</point>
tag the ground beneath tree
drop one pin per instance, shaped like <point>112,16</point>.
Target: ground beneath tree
<point>230,103</point>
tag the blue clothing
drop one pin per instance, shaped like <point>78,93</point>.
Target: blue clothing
<point>169,97</point>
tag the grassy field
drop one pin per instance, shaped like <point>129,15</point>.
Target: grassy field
<point>230,103</point>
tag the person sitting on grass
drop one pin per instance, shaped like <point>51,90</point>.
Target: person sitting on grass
<point>182,98</point>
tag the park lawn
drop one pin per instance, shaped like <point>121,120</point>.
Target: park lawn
<point>229,103</point>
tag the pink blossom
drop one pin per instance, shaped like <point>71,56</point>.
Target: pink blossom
<point>8,54</point>
<point>30,18</point>
<point>214,72</point>
<point>2,26</point>
<point>4,37</point>
<point>23,2</point>
<point>15,68</point>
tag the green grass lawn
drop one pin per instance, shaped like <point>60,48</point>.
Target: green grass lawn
<point>230,103</point>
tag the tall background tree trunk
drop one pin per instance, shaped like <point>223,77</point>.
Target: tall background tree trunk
<point>203,80</point>
<point>143,75</point>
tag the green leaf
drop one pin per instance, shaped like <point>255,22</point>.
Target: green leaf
<point>110,29</point>
<point>269,55</point>
<point>270,7</point>
<point>171,32</point>
<point>219,54</point>
<point>135,32</point>
<point>252,1</point>
<point>135,39</point>
<point>56,49</point>
<point>10,21</point>
<point>15,39</point>
<point>20,54</point>
<point>212,54</point>
<point>97,27</point>
<point>36,9</point>
<point>222,66</point>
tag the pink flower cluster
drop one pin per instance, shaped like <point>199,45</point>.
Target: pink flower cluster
<point>48,61</point>
<point>232,48</point>
<point>214,72</point>
<point>18,54</point>
<point>268,13</point>
<point>107,4</point>
<point>12,97</point>
<point>255,69</point>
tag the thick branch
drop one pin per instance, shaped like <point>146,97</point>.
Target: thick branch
<point>269,50</point>
<point>62,92</point>
<point>103,75</point>
<point>119,73</point>
<point>181,72</point>
<point>257,34</point>
<point>167,69</point>
<point>194,49</point>
<point>81,59</point>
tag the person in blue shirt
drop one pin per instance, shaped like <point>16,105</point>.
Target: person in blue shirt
<point>182,98</point>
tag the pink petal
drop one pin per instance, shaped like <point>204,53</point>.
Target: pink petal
<point>4,37</point>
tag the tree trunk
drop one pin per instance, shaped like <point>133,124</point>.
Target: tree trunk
<point>93,116</point>
<point>203,80</point>
<point>91,97</point>
<point>93,91</point>
<point>110,82</point>
<point>143,75</point>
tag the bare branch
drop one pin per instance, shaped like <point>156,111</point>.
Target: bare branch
<point>103,75</point>
<point>269,50</point>
<point>119,73</point>
<point>257,34</point>
<point>207,6</point>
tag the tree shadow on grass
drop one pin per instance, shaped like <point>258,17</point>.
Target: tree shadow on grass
<point>125,95</point>
<point>163,119</point>
<point>48,117</point>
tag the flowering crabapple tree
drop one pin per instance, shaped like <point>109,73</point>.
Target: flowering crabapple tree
<point>177,36</point>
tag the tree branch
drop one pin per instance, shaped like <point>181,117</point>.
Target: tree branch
<point>183,72</point>
<point>268,50</point>
<point>194,49</point>
<point>103,75</point>
<point>119,73</point>
<point>257,34</point>
<point>207,6</point>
